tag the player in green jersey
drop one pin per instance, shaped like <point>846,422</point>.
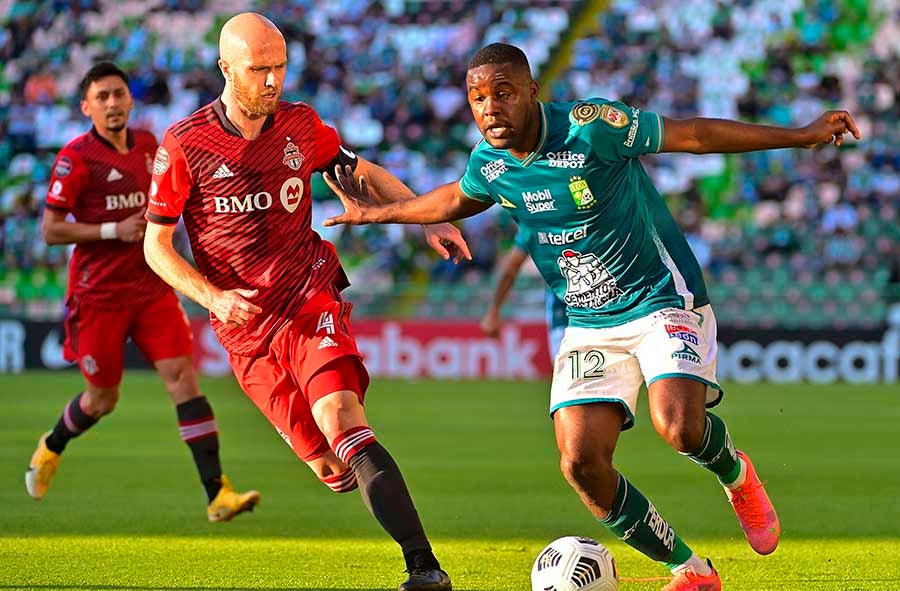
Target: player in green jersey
<point>638,311</point>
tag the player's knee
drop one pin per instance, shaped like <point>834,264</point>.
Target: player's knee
<point>585,471</point>
<point>179,379</point>
<point>337,412</point>
<point>97,402</point>
<point>681,436</point>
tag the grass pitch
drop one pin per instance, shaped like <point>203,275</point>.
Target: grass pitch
<point>126,510</point>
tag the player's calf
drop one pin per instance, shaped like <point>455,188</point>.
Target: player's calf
<point>77,417</point>
<point>198,429</point>
<point>385,494</point>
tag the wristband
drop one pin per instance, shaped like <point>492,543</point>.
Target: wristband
<point>108,231</point>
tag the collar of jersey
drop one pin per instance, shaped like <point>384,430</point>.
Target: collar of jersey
<point>129,139</point>
<point>540,145</point>
<point>228,126</point>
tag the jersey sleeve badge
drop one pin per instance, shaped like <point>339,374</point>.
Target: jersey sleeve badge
<point>584,113</point>
<point>613,116</point>
<point>63,167</point>
<point>161,162</point>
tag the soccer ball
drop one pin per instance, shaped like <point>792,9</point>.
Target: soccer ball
<point>574,563</point>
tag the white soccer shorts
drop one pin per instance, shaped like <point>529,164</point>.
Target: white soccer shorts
<point>610,364</point>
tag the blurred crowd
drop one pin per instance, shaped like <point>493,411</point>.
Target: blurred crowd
<point>788,236</point>
<point>769,228</point>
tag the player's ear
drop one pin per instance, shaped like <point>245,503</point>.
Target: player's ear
<point>85,108</point>
<point>223,66</point>
<point>535,87</point>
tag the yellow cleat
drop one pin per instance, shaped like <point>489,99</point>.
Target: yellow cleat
<point>41,469</point>
<point>229,503</point>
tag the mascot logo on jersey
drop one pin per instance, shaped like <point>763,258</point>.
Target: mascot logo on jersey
<point>589,282</point>
<point>291,193</point>
<point>293,157</point>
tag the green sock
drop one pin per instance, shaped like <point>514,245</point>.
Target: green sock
<point>716,453</point>
<point>635,521</point>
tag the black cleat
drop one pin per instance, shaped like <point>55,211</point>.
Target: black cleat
<point>426,579</point>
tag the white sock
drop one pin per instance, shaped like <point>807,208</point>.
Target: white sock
<point>694,563</point>
<point>742,476</point>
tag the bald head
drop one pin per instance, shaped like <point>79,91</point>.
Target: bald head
<point>246,34</point>
<point>253,60</point>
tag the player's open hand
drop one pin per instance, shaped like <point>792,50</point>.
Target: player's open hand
<point>232,306</point>
<point>132,228</point>
<point>352,193</point>
<point>830,127</point>
<point>447,241</point>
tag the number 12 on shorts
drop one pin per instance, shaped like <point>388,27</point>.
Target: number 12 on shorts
<point>587,365</point>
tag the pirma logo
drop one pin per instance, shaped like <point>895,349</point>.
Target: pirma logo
<point>687,354</point>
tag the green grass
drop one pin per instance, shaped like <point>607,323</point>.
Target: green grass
<point>126,510</point>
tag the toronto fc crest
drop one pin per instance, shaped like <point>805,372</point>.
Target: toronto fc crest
<point>293,157</point>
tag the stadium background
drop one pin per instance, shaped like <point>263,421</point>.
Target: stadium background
<point>800,250</point>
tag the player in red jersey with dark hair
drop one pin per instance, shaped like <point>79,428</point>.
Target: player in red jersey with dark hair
<point>238,171</point>
<point>101,178</point>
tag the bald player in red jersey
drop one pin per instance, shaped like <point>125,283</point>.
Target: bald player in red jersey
<point>238,172</point>
<point>101,179</point>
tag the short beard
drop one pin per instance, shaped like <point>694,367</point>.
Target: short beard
<point>115,128</point>
<point>250,106</point>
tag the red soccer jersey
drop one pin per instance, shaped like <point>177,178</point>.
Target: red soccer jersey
<point>246,207</point>
<point>96,184</point>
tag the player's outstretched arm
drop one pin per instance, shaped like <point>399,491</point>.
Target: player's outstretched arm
<point>445,238</point>
<point>721,136</point>
<point>444,204</point>
<point>228,305</point>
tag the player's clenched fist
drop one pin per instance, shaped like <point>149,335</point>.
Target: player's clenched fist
<point>132,228</point>
<point>831,127</point>
<point>232,306</point>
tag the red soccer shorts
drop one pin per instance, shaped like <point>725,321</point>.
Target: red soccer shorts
<point>96,336</point>
<point>311,356</point>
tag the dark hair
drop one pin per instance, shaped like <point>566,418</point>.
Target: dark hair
<point>500,53</point>
<point>98,71</point>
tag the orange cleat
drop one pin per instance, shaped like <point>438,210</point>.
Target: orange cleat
<point>689,580</point>
<point>755,511</point>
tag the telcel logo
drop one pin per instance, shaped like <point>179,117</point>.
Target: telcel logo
<point>564,237</point>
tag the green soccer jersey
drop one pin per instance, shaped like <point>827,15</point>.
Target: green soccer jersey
<point>593,222</point>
